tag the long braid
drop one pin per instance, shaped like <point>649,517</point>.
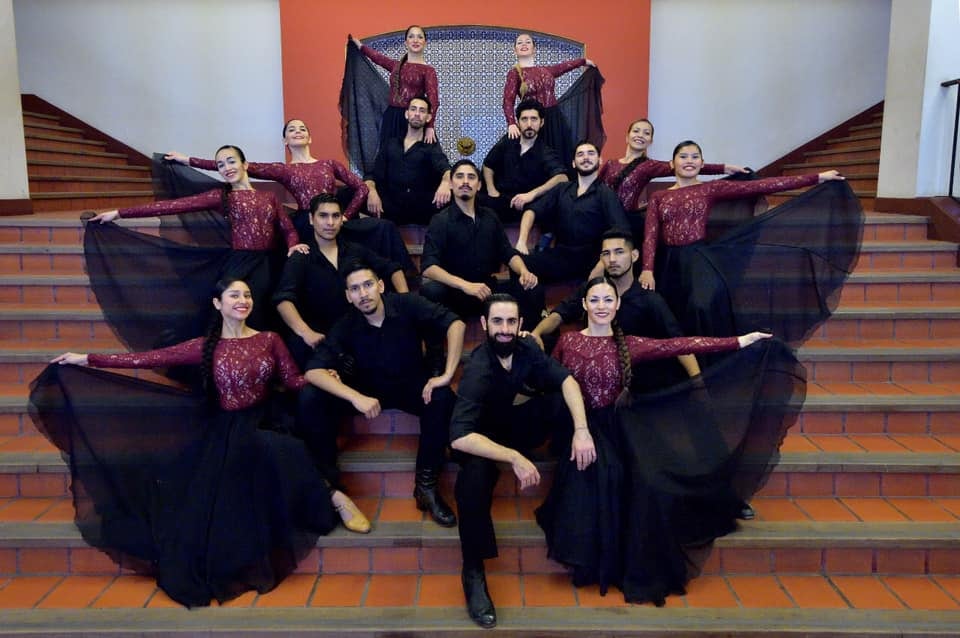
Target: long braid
<point>210,341</point>
<point>395,87</point>
<point>623,354</point>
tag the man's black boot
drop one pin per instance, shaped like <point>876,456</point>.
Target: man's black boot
<point>479,605</point>
<point>429,499</point>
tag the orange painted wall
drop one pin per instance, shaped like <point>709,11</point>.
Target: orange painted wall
<point>313,37</point>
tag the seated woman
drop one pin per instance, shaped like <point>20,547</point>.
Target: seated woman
<point>781,271</point>
<point>128,270</point>
<point>188,487</point>
<point>630,174</point>
<point>582,515</point>
<point>305,177</point>
<point>526,80</point>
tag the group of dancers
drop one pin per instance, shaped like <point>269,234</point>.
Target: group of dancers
<point>206,485</point>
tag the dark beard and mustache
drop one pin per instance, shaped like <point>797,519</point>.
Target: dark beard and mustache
<point>590,171</point>
<point>502,348</point>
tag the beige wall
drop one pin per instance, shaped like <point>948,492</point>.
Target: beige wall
<point>13,167</point>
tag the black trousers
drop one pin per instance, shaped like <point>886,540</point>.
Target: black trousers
<point>320,415</point>
<point>522,427</point>
<point>562,263</point>
<point>531,301</point>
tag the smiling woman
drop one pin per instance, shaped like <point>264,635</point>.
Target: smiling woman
<point>130,271</point>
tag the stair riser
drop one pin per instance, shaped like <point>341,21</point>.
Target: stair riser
<point>50,186</point>
<point>775,200</point>
<point>781,484</point>
<point>907,259</point>
<point>882,293</point>
<point>848,170</point>
<point>50,128</point>
<point>883,371</point>
<point>65,145</point>
<point>895,232</point>
<point>86,171</point>
<point>33,119</point>
<point>867,329</point>
<point>91,203</point>
<point>872,140</point>
<point>42,263</point>
<point>872,154</point>
<point>68,332</point>
<point>62,156</point>
<point>37,295</point>
<point>59,559</point>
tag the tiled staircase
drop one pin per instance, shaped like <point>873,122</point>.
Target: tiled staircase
<point>857,532</point>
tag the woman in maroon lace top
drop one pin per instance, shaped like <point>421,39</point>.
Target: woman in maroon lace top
<point>306,177</point>
<point>526,80</point>
<point>410,76</point>
<point>581,515</point>
<point>187,486</point>
<point>780,271</point>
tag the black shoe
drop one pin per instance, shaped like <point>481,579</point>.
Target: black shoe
<point>429,500</point>
<point>479,605</point>
<point>747,513</point>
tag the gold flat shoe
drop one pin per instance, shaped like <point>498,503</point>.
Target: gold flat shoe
<point>357,523</point>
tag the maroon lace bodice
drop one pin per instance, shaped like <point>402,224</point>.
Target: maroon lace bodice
<point>678,216</point>
<point>415,79</point>
<point>594,363</point>
<point>255,216</point>
<point>304,180</point>
<point>242,368</point>
<point>632,186</point>
<point>541,85</point>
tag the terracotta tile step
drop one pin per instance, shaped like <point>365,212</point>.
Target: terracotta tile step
<point>48,167</point>
<point>37,152</point>
<point>305,610</point>
<point>49,128</point>
<point>846,167</point>
<point>50,141</point>
<point>33,116</point>
<point>832,548</point>
<point>860,151</point>
<point>85,184</point>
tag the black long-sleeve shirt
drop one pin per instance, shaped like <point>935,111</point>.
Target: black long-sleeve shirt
<point>579,221</point>
<point>470,248</point>
<point>515,173</point>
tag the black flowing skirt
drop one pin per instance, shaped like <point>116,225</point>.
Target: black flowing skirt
<point>693,455</point>
<point>200,498</point>
<point>581,515</point>
<point>156,292</point>
<point>781,271</point>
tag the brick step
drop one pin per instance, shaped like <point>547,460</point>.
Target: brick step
<point>85,183</point>
<point>49,128</point>
<point>58,143</point>
<point>860,152</point>
<point>37,152</point>
<point>336,606</point>
<point>39,118</point>
<point>846,167</point>
<point>759,547</point>
<point>94,169</point>
<point>874,126</point>
<point>867,197</point>
<point>854,141</point>
<point>831,408</point>
<point>374,466</point>
<point>103,200</point>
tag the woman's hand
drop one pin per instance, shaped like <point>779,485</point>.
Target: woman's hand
<point>753,337</point>
<point>299,248</point>
<point>430,135</point>
<point>107,216</point>
<point>730,169</point>
<point>513,131</point>
<point>646,280</point>
<point>591,62</point>
<point>829,176</point>
<point>180,158</point>
<point>71,358</point>
<point>355,41</point>
<point>582,449</point>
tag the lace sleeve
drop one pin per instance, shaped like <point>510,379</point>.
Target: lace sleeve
<point>202,201</point>
<point>510,90</point>
<point>556,70</point>
<point>650,232</point>
<point>287,369</point>
<point>186,353</point>
<point>360,190</point>
<point>378,58</point>
<point>645,348</point>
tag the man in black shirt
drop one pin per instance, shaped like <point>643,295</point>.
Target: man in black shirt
<point>377,349</point>
<point>577,214</point>
<point>490,425</point>
<point>518,171</point>
<point>410,178</point>
<point>465,247</point>
<point>309,296</point>
<point>641,313</point>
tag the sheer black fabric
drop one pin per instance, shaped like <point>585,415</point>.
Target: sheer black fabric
<point>693,454</point>
<point>781,271</point>
<point>577,116</point>
<point>582,515</point>
<point>204,228</point>
<point>170,486</point>
<point>364,98</point>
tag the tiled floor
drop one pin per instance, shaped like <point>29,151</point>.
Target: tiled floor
<point>785,591</point>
